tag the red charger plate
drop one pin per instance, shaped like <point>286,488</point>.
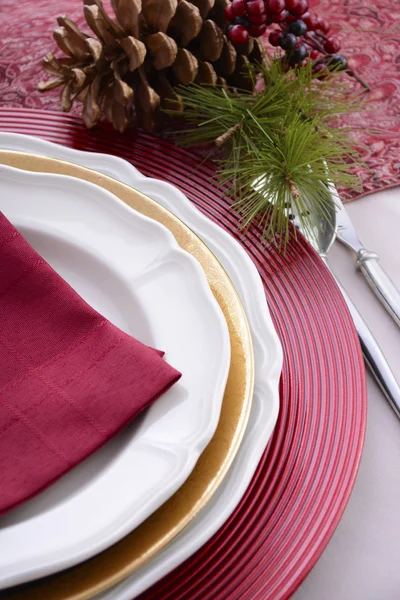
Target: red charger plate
<point>306,474</point>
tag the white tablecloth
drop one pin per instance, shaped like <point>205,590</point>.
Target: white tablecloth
<point>362,560</point>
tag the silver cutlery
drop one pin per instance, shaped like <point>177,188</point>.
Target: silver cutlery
<point>367,262</point>
<point>321,236</point>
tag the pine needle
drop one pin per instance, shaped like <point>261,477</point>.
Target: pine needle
<point>282,148</point>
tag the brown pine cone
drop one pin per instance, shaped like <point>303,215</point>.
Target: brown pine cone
<point>140,57</point>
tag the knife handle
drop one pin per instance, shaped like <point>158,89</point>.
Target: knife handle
<point>380,282</point>
<point>373,355</point>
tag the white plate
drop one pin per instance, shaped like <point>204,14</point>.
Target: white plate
<point>266,346</point>
<point>131,270</point>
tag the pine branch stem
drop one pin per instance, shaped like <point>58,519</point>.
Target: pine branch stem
<point>356,76</point>
<point>315,43</point>
<point>228,134</point>
<point>293,189</point>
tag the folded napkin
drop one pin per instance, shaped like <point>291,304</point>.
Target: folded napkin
<point>69,379</point>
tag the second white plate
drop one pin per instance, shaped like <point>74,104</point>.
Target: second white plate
<point>267,353</point>
<point>131,270</point>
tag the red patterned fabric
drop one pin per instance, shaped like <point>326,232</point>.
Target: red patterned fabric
<point>370,36</point>
<point>69,379</point>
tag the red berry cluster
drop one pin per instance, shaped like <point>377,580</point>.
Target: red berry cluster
<point>302,34</point>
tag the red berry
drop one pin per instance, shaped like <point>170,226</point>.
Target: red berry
<point>280,17</point>
<point>314,54</point>
<point>238,34</point>
<point>323,25</point>
<point>228,13</point>
<point>332,45</point>
<point>256,7</point>
<point>290,19</point>
<point>257,19</point>
<point>310,20</point>
<point>257,30</point>
<point>291,4</point>
<point>275,38</point>
<point>300,9</point>
<point>275,6</point>
<point>239,8</point>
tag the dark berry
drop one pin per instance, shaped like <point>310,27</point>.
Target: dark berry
<point>310,20</point>
<point>241,21</point>
<point>275,6</point>
<point>279,17</point>
<point>288,41</point>
<point>228,13</point>
<point>256,7</point>
<point>332,45</point>
<point>257,30</point>
<point>323,25</point>
<point>257,19</point>
<point>298,54</point>
<point>275,38</point>
<point>239,8</point>
<point>338,61</point>
<point>238,34</point>
<point>298,27</point>
<point>300,9</point>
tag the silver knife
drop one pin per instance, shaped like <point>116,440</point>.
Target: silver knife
<point>321,233</point>
<point>368,263</point>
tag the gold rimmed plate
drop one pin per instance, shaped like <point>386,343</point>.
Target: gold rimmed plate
<point>147,540</point>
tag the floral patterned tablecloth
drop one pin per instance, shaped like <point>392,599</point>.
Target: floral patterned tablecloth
<point>370,36</point>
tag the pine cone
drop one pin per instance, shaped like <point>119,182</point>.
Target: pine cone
<point>140,57</point>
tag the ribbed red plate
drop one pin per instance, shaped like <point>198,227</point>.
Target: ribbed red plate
<point>306,474</point>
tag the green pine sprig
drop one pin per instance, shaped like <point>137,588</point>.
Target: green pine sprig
<point>282,146</point>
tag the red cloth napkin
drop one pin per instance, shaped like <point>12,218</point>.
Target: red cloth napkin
<point>69,379</point>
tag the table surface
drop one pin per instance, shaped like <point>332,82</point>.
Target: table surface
<point>361,562</point>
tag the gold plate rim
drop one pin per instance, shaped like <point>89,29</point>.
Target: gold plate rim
<point>82,581</point>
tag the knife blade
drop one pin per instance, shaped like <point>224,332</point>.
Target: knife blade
<point>322,239</point>
<point>367,262</point>
<point>373,355</point>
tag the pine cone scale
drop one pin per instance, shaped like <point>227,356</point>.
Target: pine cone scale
<point>211,40</point>
<point>159,14</point>
<point>135,51</point>
<point>185,66</point>
<point>95,48</point>
<point>186,23</point>
<point>163,50</point>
